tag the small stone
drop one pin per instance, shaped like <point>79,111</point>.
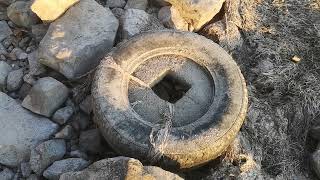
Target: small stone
<point>65,133</point>
<point>35,67</point>
<point>2,57</point>
<point>28,78</point>
<point>61,116</point>
<point>20,14</point>
<point>4,72</point>
<point>64,166</point>
<point>86,105</point>
<point>315,162</point>
<point>33,177</point>
<point>137,4</point>
<point>3,50</point>
<point>170,18</point>
<point>90,141</point>
<point>52,92</point>
<point>136,21</point>
<point>5,30</point>
<point>15,80</point>
<point>39,31</point>
<point>46,153</point>
<point>117,12</point>
<point>315,132</point>
<point>24,90</point>
<point>24,42</point>
<point>78,154</point>
<point>296,59</point>
<point>6,174</point>
<point>49,10</point>
<point>19,53</point>
<point>116,3</point>
<point>25,169</point>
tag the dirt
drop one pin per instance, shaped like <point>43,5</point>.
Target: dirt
<point>284,93</point>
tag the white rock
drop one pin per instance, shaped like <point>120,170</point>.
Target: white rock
<point>4,71</point>
<point>137,4</point>
<point>20,14</point>
<point>15,80</point>
<point>20,130</point>
<point>49,10</point>
<point>5,30</point>
<point>46,96</point>
<point>170,18</point>
<point>75,43</point>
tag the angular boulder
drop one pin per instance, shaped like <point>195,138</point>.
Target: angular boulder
<point>75,43</point>
<point>20,131</point>
<point>197,13</point>
<point>46,96</point>
<point>120,168</point>
<point>49,10</point>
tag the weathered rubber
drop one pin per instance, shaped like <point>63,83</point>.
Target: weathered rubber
<point>187,146</point>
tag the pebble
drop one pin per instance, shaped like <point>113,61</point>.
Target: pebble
<point>65,133</point>
<point>61,116</point>
<point>15,80</point>
<point>25,169</point>
<point>4,72</point>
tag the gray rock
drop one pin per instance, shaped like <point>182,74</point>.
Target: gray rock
<point>5,30</point>
<point>78,154</point>
<point>120,168</point>
<point>315,132</point>
<point>4,71</point>
<point>136,21</point>
<point>6,174</point>
<point>35,67</point>
<point>24,90</point>
<point>90,141</point>
<point>116,3</point>
<point>46,96</point>
<point>86,105</point>
<point>3,50</point>
<point>19,54</point>
<point>20,130</point>
<point>137,4</point>
<point>28,78</point>
<point>64,166</point>
<point>39,31</point>
<point>315,162</point>
<point>20,14</point>
<point>75,43</point>
<point>25,169</point>
<point>33,177</point>
<point>62,115</point>
<point>6,2</point>
<point>15,80</point>
<point>65,133</point>
<point>118,12</point>
<point>46,153</point>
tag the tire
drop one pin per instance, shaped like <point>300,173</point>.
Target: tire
<point>187,146</point>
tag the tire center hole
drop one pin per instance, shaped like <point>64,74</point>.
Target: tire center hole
<point>171,88</point>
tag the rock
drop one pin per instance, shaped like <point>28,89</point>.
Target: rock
<point>86,105</point>
<point>33,177</point>
<point>46,153</point>
<point>28,78</point>
<point>49,10</point>
<point>315,162</point>
<point>170,18</point>
<point>118,12</point>
<point>136,21</point>
<point>6,174</point>
<point>64,166</point>
<point>20,131</point>
<point>39,31</point>
<point>4,72</point>
<point>162,2</point>
<point>137,4</point>
<point>78,154</point>
<point>19,54</point>
<point>315,132</point>
<point>25,169</point>
<point>46,96</point>
<point>75,43</point>
<point>116,3</point>
<point>6,2</point>
<point>80,121</point>
<point>35,68</point>
<point>15,80</point>
<point>61,116</point>
<point>65,133</point>
<point>120,168</point>
<point>90,141</point>
<point>24,90</point>
<point>197,13</point>
<point>20,14</point>
<point>5,30</point>
<point>3,50</point>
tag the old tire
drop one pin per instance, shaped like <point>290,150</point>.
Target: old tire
<point>187,146</point>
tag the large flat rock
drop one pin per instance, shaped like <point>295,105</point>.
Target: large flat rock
<point>75,43</point>
<point>20,130</point>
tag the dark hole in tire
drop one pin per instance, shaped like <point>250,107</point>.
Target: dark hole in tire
<point>171,88</point>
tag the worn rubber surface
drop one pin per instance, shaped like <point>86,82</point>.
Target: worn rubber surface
<point>186,146</point>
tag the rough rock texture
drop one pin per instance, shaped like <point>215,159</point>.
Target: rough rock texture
<point>25,169</point>
<point>15,80</point>
<point>197,13</point>
<point>315,162</point>
<point>120,168</point>
<point>46,96</point>
<point>20,13</point>
<point>63,166</point>
<point>137,4</point>
<point>62,115</point>
<point>39,31</point>
<point>136,21</point>
<point>49,10</point>
<point>90,141</point>
<point>170,18</point>
<point>4,71</point>
<point>76,41</point>
<point>6,174</point>
<point>116,3</point>
<point>5,30</point>
<point>20,131</point>
<point>35,68</point>
<point>65,133</point>
<point>46,153</point>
